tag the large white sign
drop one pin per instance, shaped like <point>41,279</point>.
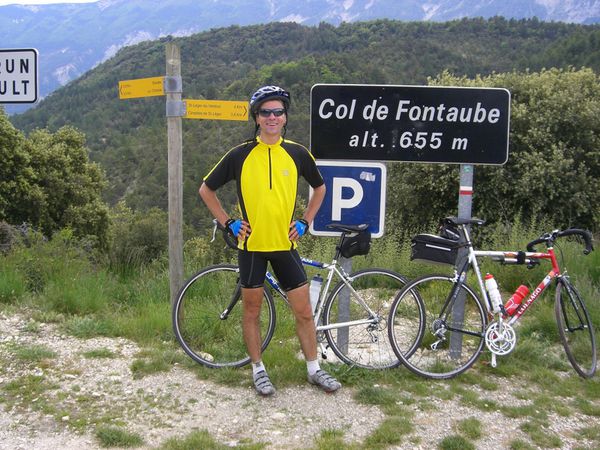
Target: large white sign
<point>18,75</point>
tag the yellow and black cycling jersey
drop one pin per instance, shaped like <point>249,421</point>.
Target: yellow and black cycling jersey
<point>267,183</point>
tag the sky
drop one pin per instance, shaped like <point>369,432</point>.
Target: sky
<point>42,2</point>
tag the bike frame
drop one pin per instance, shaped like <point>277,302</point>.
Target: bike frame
<point>332,269</point>
<point>510,257</point>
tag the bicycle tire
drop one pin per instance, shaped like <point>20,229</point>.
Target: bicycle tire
<point>207,338</point>
<point>459,341</point>
<point>363,345</point>
<point>575,329</point>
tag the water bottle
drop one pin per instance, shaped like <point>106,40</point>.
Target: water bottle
<point>513,303</point>
<point>315,290</point>
<point>492,288</point>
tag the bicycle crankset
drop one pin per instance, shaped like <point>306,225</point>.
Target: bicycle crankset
<point>500,338</point>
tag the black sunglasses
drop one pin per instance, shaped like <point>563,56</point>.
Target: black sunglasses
<point>278,112</point>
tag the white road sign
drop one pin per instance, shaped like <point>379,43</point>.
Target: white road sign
<point>18,75</point>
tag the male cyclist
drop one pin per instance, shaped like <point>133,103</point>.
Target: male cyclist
<point>266,170</point>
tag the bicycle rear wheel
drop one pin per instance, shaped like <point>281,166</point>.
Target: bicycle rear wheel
<point>575,328</point>
<point>451,337</point>
<point>364,344</point>
<point>207,318</point>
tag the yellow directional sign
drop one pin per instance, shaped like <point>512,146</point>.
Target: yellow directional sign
<point>216,110</point>
<point>141,87</point>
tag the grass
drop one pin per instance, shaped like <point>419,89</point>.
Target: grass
<point>12,284</point>
<point>54,284</point>
<point>519,444</point>
<point>540,434</point>
<point>108,436</point>
<point>470,427</point>
<point>456,442</point>
<point>390,432</point>
<point>331,440</point>
<point>28,391</point>
<point>592,433</point>
<point>203,440</point>
<point>375,395</point>
<point>31,354</point>
<point>88,326</point>
<point>153,360</point>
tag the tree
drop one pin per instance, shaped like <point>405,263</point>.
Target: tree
<point>554,163</point>
<point>17,179</point>
<point>48,181</point>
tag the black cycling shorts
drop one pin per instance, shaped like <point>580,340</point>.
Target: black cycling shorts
<point>286,265</point>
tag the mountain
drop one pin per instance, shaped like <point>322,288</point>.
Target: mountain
<point>73,38</point>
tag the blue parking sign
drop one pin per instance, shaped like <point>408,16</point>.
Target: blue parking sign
<point>355,194</point>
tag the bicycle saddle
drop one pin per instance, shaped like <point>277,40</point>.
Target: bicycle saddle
<point>348,228</point>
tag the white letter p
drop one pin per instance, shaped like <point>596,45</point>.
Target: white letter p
<point>338,203</point>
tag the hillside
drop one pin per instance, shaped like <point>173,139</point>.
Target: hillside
<point>128,137</point>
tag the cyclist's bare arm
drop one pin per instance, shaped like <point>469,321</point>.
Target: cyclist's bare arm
<point>213,204</point>
<point>209,196</point>
<point>314,203</point>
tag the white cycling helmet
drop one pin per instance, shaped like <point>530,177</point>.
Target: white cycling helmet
<point>269,93</point>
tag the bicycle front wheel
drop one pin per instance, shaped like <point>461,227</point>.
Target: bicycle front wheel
<point>451,337</point>
<point>575,329</point>
<point>356,335</point>
<point>207,318</point>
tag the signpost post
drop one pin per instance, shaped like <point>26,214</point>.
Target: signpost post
<point>176,108</point>
<point>18,75</point>
<point>175,169</point>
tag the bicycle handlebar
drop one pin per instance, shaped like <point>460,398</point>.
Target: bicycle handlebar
<point>550,238</point>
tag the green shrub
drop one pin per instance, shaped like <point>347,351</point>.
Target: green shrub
<point>136,238</point>
<point>8,236</point>
<point>12,283</point>
<point>83,293</point>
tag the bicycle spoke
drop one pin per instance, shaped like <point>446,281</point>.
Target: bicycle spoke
<point>364,345</point>
<point>449,344</point>
<point>198,324</point>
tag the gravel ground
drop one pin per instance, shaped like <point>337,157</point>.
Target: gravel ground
<point>174,403</point>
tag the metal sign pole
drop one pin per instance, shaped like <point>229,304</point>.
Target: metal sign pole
<point>175,167</point>
<point>465,201</point>
<point>343,334</point>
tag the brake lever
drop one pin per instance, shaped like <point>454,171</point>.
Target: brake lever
<point>214,233</point>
